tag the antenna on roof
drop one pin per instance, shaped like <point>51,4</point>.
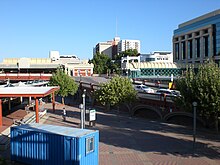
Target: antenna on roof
<point>116,27</point>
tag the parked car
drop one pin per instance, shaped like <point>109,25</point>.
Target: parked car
<point>168,92</point>
<point>144,88</point>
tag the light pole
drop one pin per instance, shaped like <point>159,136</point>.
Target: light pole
<point>194,125</point>
<point>84,107</point>
<point>81,120</point>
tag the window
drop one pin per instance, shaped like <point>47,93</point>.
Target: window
<point>189,49</point>
<point>90,145</point>
<point>206,45</point>
<point>183,50</point>
<point>197,47</point>
<point>177,51</point>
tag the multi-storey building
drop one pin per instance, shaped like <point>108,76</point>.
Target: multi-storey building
<point>104,47</point>
<point>115,46</point>
<point>124,45</point>
<point>198,40</point>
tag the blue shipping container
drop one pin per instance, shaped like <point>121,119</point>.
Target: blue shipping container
<point>54,145</point>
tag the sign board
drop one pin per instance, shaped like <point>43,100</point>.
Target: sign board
<point>92,114</point>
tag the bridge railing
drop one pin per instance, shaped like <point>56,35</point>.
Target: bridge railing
<point>154,99</point>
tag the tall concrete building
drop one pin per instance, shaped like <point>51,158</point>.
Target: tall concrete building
<point>124,45</point>
<point>115,46</point>
<point>198,40</point>
<point>110,48</point>
<point>103,47</point>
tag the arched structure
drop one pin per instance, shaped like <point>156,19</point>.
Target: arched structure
<point>150,108</point>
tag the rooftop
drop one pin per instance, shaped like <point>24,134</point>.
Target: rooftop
<point>211,14</point>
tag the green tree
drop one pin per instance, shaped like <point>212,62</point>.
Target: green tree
<point>118,90</point>
<point>102,63</point>
<point>67,85</point>
<point>129,52</point>
<point>204,88</point>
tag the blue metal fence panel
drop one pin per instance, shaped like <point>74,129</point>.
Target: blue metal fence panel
<point>51,145</point>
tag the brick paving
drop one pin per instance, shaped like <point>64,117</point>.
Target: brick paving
<point>133,141</point>
<point>126,140</point>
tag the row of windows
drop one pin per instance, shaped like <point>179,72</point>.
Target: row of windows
<point>189,51</point>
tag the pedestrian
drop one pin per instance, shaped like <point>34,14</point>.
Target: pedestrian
<point>64,114</point>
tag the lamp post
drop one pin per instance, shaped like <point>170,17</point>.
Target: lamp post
<point>194,125</point>
<point>84,107</point>
<point>83,110</point>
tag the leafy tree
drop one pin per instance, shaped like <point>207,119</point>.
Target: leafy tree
<point>202,87</point>
<point>101,63</point>
<point>118,90</point>
<point>67,85</point>
<point>129,52</point>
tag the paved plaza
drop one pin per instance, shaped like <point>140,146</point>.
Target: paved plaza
<point>128,140</point>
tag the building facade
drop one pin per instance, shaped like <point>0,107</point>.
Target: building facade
<point>198,40</point>
<point>124,45</point>
<point>115,46</point>
<point>72,64</point>
<point>103,48</point>
<point>159,56</point>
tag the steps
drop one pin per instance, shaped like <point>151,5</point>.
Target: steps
<point>5,135</point>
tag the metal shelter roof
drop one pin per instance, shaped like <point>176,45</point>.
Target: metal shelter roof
<point>27,91</point>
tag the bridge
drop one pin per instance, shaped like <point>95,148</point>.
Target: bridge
<point>160,107</point>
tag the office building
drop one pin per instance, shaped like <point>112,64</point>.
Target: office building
<point>198,40</point>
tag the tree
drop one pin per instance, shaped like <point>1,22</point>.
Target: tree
<point>204,88</point>
<point>129,52</point>
<point>101,63</point>
<point>118,90</point>
<point>67,85</point>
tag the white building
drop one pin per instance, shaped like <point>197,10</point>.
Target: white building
<point>157,56</point>
<point>72,64</point>
<point>124,45</point>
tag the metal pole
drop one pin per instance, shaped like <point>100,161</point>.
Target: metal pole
<point>84,107</point>
<point>194,126</point>
<point>81,110</point>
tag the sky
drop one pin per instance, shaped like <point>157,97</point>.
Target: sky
<point>32,28</point>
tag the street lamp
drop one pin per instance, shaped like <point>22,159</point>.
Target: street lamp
<point>194,125</point>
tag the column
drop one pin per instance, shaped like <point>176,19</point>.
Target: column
<point>193,48</point>
<point>211,53</point>
<point>202,54</point>
<point>9,104</point>
<point>37,110</point>
<point>53,101</point>
<point>0,112</point>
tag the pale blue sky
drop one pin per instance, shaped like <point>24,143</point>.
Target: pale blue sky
<point>31,28</point>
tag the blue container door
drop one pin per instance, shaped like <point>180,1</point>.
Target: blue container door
<point>88,147</point>
<point>70,153</point>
